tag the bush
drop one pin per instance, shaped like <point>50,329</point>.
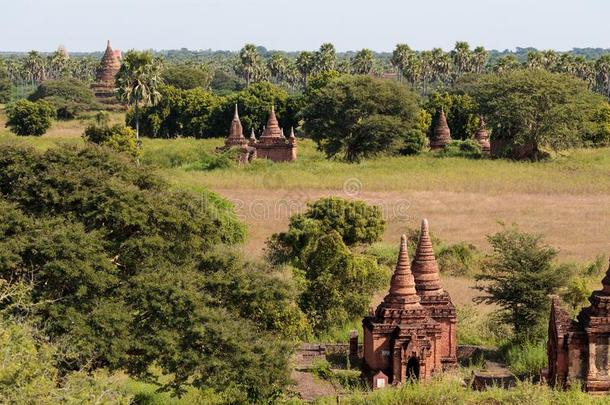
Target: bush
<point>525,359</point>
<point>29,118</point>
<point>460,259</point>
<point>117,137</point>
<point>68,96</point>
<point>466,149</point>
<point>220,160</point>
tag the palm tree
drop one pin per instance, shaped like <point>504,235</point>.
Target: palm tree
<point>278,67</point>
<point>35,66</point>
<point>440,65</point>
<point>535,60</point>
<point>138,82</point>
<point>479,59</point>
<point>506,63</point>
<point>250,61</point>
<point>305,63</point>
<point>362,62</point>
<point>461,56</point>
<point>400,58</point>
<point>325,59</point>
<point>602,75</point>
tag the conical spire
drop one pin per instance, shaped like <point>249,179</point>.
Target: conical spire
<point>402,286</point>
<point>109,66</point>
<point>292,136</point>
<point>272,130</point>
<point>442,133</point>
<point>236,131</point>
<point>425,267</point>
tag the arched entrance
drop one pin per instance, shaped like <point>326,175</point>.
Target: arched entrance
<point>412,369</point>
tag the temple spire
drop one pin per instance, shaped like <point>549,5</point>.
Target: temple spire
<point>425,267</point>
<point>292,136</point>
<point>402,286</point>
<point>442,133</point>
<point>272,130</point>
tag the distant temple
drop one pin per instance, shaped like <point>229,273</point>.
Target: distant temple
<point>272,144</point>
<point>104,84</point>
<point>482,137</point>
<point>412,334</point>
<point>579,350</point>
<point>442,134</point>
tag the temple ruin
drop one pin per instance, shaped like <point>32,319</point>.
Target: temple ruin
<point>579,349</point>
<point>272,144</point>
<point>412,334</point>
<point>442,134</point>
<point>104,84</point>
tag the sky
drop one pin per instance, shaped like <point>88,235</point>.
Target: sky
<point>291,25</point>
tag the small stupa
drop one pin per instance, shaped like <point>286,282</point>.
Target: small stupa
<point>482,137</point>
<point>104,84</point>
<point>442,133</point>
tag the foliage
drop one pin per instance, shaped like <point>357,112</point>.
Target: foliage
<point>535,109</point>
<point>29,118</point>
<point>186,77</point>
<point>518,277</point>
<point>460,259</point>
<point>479,329</point>
<point>117,137</point>
<point>28,373</point>
<point>5,90</point>
<point>468,149</point>
<point>461,112</point>
<point>360,117</point>
<point>525,359</point>
<point>211,161</point>
<point>138,82</point>
<point>68,96</point>
<point>337,283</point>
<point>121,276</point>
<point>416,139</point>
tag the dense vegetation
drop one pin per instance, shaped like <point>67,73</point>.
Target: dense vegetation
<point>123,273</point>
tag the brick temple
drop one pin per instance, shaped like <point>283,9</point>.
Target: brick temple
<point>272,144</point>
<point>579,349</point>
<point>104,85</point>
<point>412,334</point>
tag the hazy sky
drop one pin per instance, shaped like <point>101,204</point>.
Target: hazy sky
<point>84,25</point>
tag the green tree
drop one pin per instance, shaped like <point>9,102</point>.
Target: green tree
<point>138,82</point>
<point>305,64</point>
<point>362,62</point>
<point>117,137</point>
<point>249,60</point>
<point>186,76</point>
<point>518,277</point>
<point>68,96</point>
<point>29,118</point>
<point>532,109</point>
<point>360,116</point>
<point>325,58</point>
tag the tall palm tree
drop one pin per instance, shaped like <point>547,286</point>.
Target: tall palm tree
<point>461,57</point>
<point>305,63</point>
<point>440,65</point>
<point>362,62</point>
<point>138,82</point>
<point>400,58</point>
<point>278,67</point>
<point>479,59</point>
<point>249,62</point>
<point>506,63</point>
<point>325,59</point>
<point>602,75</point>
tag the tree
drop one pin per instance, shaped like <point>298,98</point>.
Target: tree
<point>29,118</point>
<point>518,277</point>
<point>305,64</point>
<point>362,62</point>
<point>602,75</point>
<point>462,57</point>
<point>337,283</point>
<point>532,109</point>
<point>68,96</point>
<point>400,58</point>
<point>360,116</point>
<point>124,273</point>
<point>506,63</point>
<point>186,77</point>
<point>278,67</point>
<point>461,111</point>
<point>138,82</point>
<point>325,59</point>
<point>249,60</point>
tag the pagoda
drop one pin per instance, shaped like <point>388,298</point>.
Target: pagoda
<point>273,145</point>
<point>578,349</point>
<point>104,84</point>
<point>402,341</point>
<point>482,137</point>
<point>434,297</point>
<point>236,139</point>
<point>442,133</point>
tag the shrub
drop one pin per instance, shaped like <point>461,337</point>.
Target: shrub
<point>117,137</point>
<point>467,149</point>
<point>220,160</point>
<point>187,77</point>
<point>29,118</point>
<point>525,359</point>
<point>460,259</point>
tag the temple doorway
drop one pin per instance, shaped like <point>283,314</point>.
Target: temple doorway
<point>413,369</point>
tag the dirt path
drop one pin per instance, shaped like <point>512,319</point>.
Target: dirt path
<point>309,388</point>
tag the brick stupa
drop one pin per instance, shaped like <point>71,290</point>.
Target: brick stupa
<point>442,134</point>
<point>236,132</point>
<point>104,84</point>
<point>272,143</point>
<point>579,350</point>
<point>434,297</point>
<point>401,340</point>
<point>482,137</point>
